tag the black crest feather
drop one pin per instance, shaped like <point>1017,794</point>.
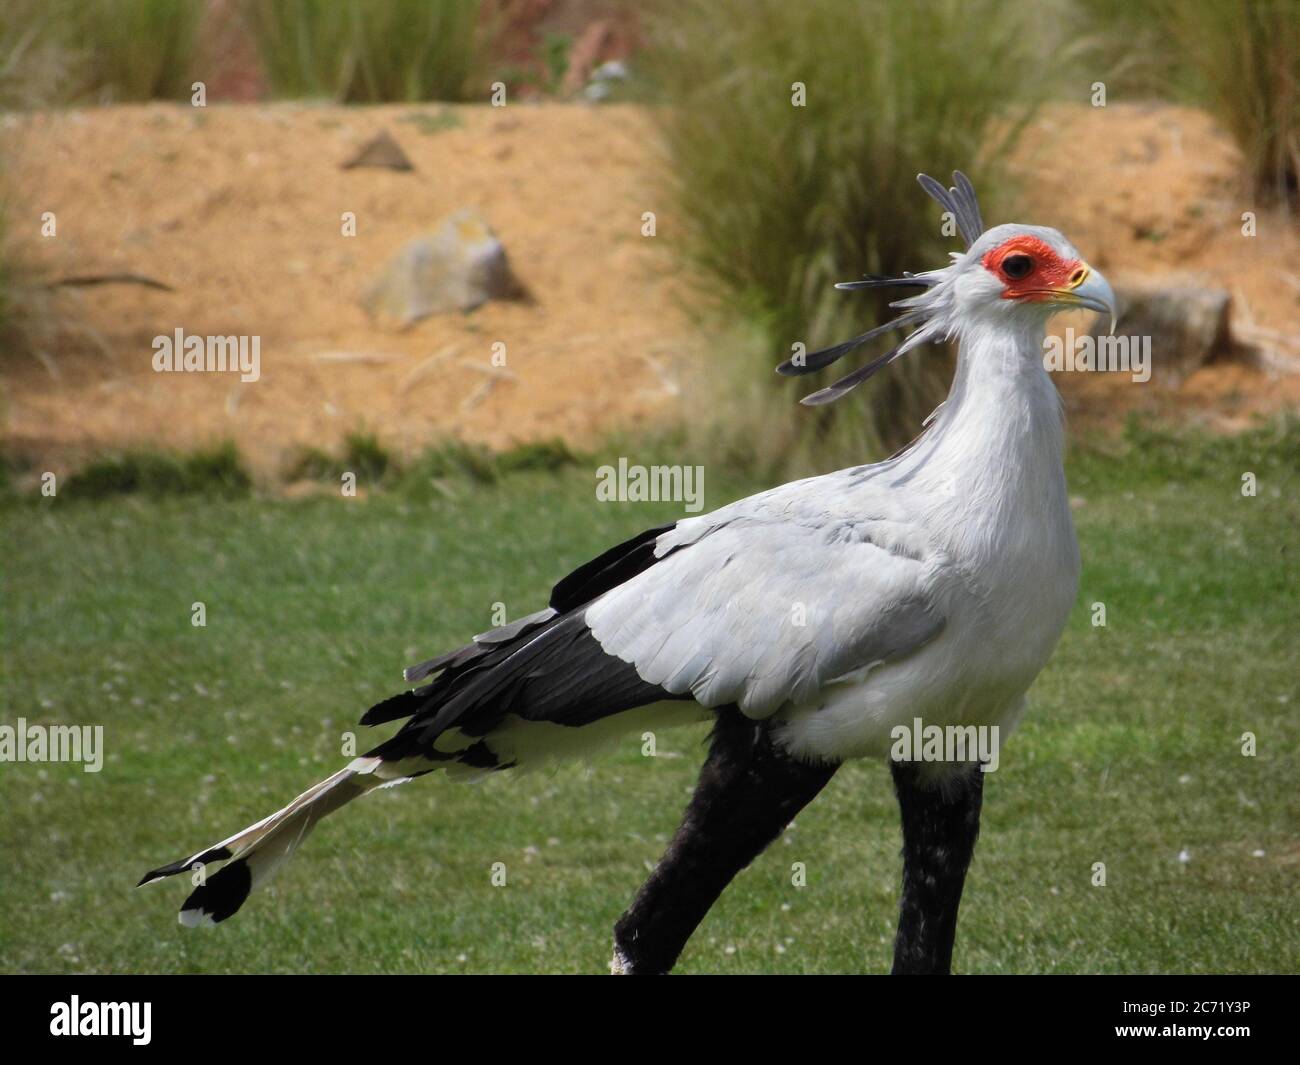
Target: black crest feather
<point>960,201</point>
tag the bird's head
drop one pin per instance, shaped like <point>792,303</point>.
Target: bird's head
<point>1010,275</point>
<point>1025,271</point>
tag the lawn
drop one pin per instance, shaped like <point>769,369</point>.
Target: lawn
<point>1130,755</point>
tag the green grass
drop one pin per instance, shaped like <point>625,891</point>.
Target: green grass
<point>1129,755</point>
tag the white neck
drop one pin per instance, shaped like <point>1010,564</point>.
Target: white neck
<point>996,450</point>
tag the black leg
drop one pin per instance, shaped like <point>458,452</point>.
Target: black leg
<point>748,792</point>
<point>939,831</point>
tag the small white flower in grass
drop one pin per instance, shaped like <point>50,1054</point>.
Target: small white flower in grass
<point>785,907</point>
<point>780,948</point>
<point>1184,856</point>
<point>1185,779</point>
<point>730,948</point>
<point>1257,854</point>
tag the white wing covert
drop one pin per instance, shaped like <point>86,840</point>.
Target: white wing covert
<point>767,601</point>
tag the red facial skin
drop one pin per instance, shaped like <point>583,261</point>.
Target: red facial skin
<point>1050,274</point>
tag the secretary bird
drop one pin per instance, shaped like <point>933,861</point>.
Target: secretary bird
<point>932,586</point>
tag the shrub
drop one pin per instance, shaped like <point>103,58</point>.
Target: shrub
<point>35,66</point>
<point>436,468</point>
<point>771,204</point>
<point>362,455</point>
<point>1238,58</point>
<point>367,51</point>
<point>111,50</point>
<point>1244,55</point>
<point>215,472</point>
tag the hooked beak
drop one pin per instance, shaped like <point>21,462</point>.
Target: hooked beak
<point>1090,291</point>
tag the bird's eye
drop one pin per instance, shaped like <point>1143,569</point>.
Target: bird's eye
<point>1017,267</point>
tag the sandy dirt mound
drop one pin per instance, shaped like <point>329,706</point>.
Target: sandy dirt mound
<point>1152,190</point>
<point>240,209</point>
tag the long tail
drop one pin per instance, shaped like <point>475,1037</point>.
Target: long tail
<point>537,689</point>
<point>254,855</point>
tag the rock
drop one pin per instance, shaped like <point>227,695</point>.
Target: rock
<point>1187,323</point>
<point>603,80</point>
<point>458,267</point>
<point>381,151</point>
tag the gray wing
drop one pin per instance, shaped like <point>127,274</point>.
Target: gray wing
<point>777,596</point>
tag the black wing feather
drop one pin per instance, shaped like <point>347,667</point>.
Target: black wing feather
<point>607,571</point>
<point>546,667</point>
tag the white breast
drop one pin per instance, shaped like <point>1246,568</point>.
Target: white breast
<point>989,483</point>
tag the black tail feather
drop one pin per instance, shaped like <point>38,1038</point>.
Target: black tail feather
<point>221,896</point>
<point>216,854</point>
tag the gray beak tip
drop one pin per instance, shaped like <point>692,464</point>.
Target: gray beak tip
<point>1096,294</point>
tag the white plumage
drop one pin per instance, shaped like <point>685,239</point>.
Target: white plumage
<point>932,585</point>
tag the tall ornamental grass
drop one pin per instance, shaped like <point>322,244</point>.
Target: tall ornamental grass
<point>770,203</point>
<point>368,51</point>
